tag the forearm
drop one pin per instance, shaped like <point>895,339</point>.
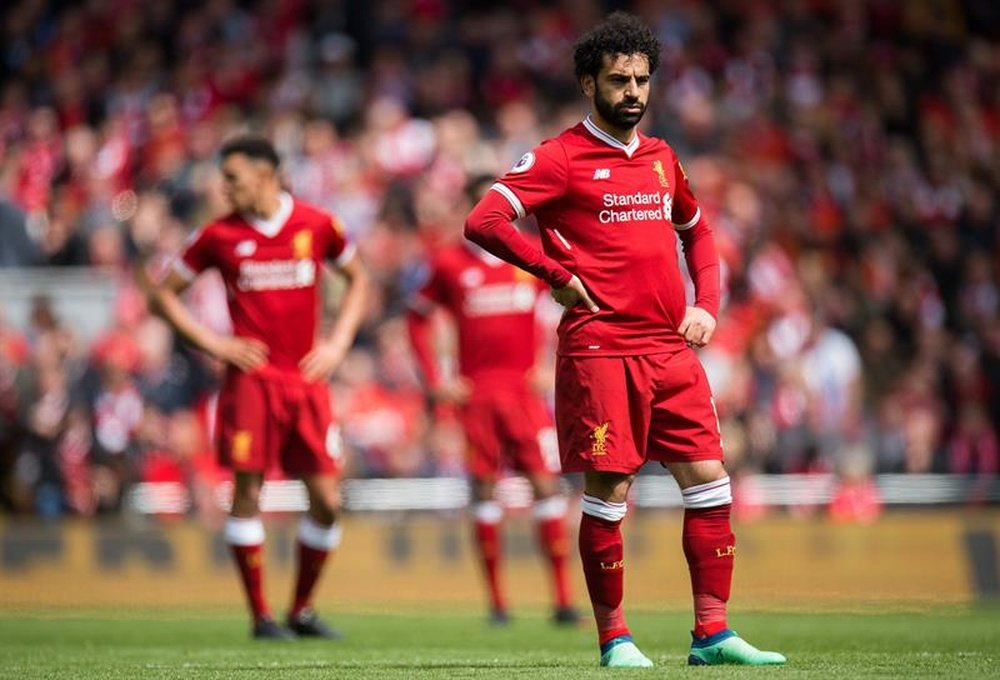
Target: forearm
<point>419,328</point>
<point>703,264</point>
<point>352,310</point>
<point>489,226</point>
<point>167,305</point>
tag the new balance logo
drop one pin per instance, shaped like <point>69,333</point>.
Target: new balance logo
<point>602,173</point>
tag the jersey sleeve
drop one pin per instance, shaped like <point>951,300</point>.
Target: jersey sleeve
<point>685,211</point>
<point>339,248</point>
<point>539,177</point>
<point>197,256</point>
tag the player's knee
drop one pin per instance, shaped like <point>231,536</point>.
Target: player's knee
<point>708,495</point>
<point>325,510</point>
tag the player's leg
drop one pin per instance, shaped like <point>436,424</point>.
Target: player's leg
<point>602,554</point>
<point>684,435</point>
<point>313,452</point>
<point>245,429</point>
<point>550,522</point>
<point>318,538</point>
<point>601,413</point>
<point>710,549</point>
<point>487,514</point>
<point>534,451</point>
<point>244,533</point>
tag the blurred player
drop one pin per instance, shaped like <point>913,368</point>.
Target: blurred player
<point>505,420</point>
<point>274,407</point>
<point>611,203</point>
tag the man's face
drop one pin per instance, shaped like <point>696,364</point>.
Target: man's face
<point>621,90</point>
<point>243,181</point>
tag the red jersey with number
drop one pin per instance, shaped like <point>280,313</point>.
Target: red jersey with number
<point>609,212</point>
<point>272,272</point>
<point>493,304</point>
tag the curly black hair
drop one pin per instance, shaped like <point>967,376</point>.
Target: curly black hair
<point>620,33</point>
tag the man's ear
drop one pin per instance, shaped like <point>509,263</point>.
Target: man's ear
<point>588,85</point>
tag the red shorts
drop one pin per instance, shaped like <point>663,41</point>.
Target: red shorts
<point>265,423</point>
<point>509,429</point>
<point>615,413</point>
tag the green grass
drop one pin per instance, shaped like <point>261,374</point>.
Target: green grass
<point>176,644</point>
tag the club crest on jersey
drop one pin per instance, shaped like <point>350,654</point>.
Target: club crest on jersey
<point>245,248</point>
<point>241,445</point>
<point>658,169</point>
<point>525,163</point>
<point>302,245</point>
<point>600,437</point>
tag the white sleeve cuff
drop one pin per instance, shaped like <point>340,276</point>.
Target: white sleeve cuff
<point>690,223</point>
<point>511,197</point>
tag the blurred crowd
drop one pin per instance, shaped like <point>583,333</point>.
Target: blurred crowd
<point>845,152</point>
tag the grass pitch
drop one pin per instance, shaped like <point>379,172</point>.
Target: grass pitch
<point>178,644</point>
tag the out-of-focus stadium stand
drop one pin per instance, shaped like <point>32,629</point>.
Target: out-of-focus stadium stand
<point>846,153</point>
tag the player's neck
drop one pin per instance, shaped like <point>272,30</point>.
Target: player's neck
<point>623,136</point>
<point>268,206</point>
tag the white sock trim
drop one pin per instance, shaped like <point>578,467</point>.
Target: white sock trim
<point>488,512</point>
<point>243,531</point>
<point>595,507</point>
<point>553,507</point>
<point>708,495</point>
<point>317,536</point>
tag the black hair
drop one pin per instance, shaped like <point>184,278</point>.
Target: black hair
<point>252,146</point>
<point>620,33</point>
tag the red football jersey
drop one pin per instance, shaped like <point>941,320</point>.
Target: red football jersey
<point>272,272</point>
<point>493,304</point>
<point>609,212</point>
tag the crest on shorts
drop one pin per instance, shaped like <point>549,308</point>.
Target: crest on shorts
<point>600,437</point>
<point>302,245</point>
<point>658,169</point>
<point>241,445</point>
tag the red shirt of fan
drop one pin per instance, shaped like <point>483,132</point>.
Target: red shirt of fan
<point>493,305</point>
<point>608,212</point>
<point>272,271</point>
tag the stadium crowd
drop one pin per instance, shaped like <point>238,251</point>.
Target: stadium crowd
<point>846,154</point>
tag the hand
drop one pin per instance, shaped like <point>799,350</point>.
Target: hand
<point>455,391</point>
<point>697,326</point>
<point>322,360</point>
<point>246,354</point>
<point>572,294</point>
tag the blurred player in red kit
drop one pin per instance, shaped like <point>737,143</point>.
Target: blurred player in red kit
<point>505,420</point>
<point>611,203</point>
<point>274,407</point>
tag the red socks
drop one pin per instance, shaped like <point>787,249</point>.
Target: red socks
<point>550,514</point>
<point>604,565</point>
<point>710,548</point>
<point>488,515</point>
<point>246,537</point>
<point>315,544</point>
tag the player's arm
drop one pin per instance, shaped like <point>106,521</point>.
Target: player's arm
<point>539,177</point>
<point>164,300</point>
<point>420,327</point>
<point>698,242</point>
<point>323,359</point>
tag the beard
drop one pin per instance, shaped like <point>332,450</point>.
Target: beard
<point>616,114</point>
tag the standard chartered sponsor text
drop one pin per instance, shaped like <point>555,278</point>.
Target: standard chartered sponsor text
<point>276,274</point>
<point>632,214</point>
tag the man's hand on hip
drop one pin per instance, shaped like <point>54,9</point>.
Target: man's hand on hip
<point>697,326</point>
<point>572,294</point>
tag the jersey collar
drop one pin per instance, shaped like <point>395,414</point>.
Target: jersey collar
<point>629,148</point>
<point>272,226</point>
